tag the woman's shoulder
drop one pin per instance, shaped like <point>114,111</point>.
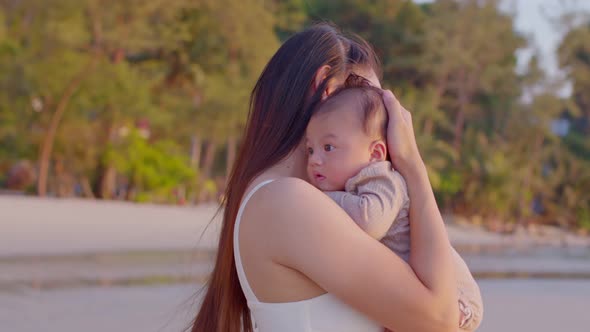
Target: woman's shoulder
<point>286,211</point>
<point>289,187</point>
<point>291,197</point>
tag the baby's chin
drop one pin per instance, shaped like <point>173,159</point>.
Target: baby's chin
<point>326,186</point>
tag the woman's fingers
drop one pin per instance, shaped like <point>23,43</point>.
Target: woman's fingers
<point>408,118</point>
<point>395,109</point>
<point>400,133</point>
<point>392,104</point>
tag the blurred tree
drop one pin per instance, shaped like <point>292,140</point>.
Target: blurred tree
<point>574,59</point>
<point>573,202</point>
<point>395,28</point>
<point>225,65</point>
<point>62,46</point>
<point>467,63</point>
<point>290,16</point>
<point>153,171</point>
<point>14,95</point>
<point>111,102</point>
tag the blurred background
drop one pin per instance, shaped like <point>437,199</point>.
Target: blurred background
<point>120,120</point>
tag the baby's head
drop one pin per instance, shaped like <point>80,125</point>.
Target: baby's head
<point>346,132</point>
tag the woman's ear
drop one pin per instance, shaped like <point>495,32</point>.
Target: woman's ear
<point>378,151</point>
<point>320,76</point>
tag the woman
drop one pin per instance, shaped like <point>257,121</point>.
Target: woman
<point>272,266</point>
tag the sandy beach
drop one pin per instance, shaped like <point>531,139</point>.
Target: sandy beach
<point>33,226</point>
<point>510,306</point>
<point>71,265</point>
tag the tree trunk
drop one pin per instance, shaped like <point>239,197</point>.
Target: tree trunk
<point>464,100</point>
<point>231,155</point>
<point>195,151</point>
<point>48,140</point>
<point>428,126</point>
<point>459,126</point>
<point>440,90</point>
<point>86,187</point>
<point>526,181</point>
<point>131,191</point>
<point>108,182</point>
<point>466,86</point>
<point>208,160</point>
<point>71,87</point>
<point>62,183</point>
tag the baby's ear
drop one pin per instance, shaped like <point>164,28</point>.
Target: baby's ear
<point>378,151</point>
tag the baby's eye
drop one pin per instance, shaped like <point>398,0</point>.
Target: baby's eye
<point>328,147</point>
<point>310,151</point>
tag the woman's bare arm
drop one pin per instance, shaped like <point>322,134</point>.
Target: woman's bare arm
<point>430,255</point>
<point>374,198</point>
<point>305,230</point>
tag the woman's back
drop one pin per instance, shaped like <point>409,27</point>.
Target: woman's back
<point>315,313</point>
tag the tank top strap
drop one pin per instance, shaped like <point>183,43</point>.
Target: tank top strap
<point>250,297</point>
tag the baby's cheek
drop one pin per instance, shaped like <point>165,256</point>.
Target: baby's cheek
<point>309,172</point>
<point>339,181</point>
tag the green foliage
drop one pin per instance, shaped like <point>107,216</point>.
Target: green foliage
<point>574,58</point>
<point>290,16</point>
<point>183,70</point>
<point>153,170</point>
<point>583,216</point>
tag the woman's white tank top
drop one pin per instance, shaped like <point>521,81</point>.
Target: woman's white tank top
<point>324,313</point>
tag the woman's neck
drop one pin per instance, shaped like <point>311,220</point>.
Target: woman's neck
<point>294,165</point>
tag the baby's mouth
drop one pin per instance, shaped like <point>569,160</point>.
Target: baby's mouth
<point>318,177</point>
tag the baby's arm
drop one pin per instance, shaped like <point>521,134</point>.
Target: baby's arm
<point>373,198</point>
<point>471,304</point>
<point>469,294</point>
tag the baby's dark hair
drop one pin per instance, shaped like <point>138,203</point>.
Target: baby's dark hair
<point>372,111</point>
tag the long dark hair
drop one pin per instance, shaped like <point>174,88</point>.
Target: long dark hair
<point>279,113</point>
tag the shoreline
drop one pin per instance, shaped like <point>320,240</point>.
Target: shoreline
<point>151,268</point>
<point>61,243</point>
<point>128,226</point>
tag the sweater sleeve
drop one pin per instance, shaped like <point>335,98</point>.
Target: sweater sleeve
<point>469,294</point>
<point>373,198</point>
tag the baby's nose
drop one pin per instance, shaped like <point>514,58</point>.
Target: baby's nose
<point>315,159</point>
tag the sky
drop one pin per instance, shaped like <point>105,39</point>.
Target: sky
<point>534,21</point>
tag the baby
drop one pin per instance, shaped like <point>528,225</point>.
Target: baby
<point>348,160</point>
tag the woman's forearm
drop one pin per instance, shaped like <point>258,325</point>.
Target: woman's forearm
<point>430,252</point>
<point>430,255</point>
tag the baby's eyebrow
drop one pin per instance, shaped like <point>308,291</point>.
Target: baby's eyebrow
<point>330,135</point>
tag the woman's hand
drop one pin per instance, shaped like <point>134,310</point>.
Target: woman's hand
<point>401,140</point>
<point>431,253</point>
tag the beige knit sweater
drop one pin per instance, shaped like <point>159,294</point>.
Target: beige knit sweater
<point>377,200</point>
